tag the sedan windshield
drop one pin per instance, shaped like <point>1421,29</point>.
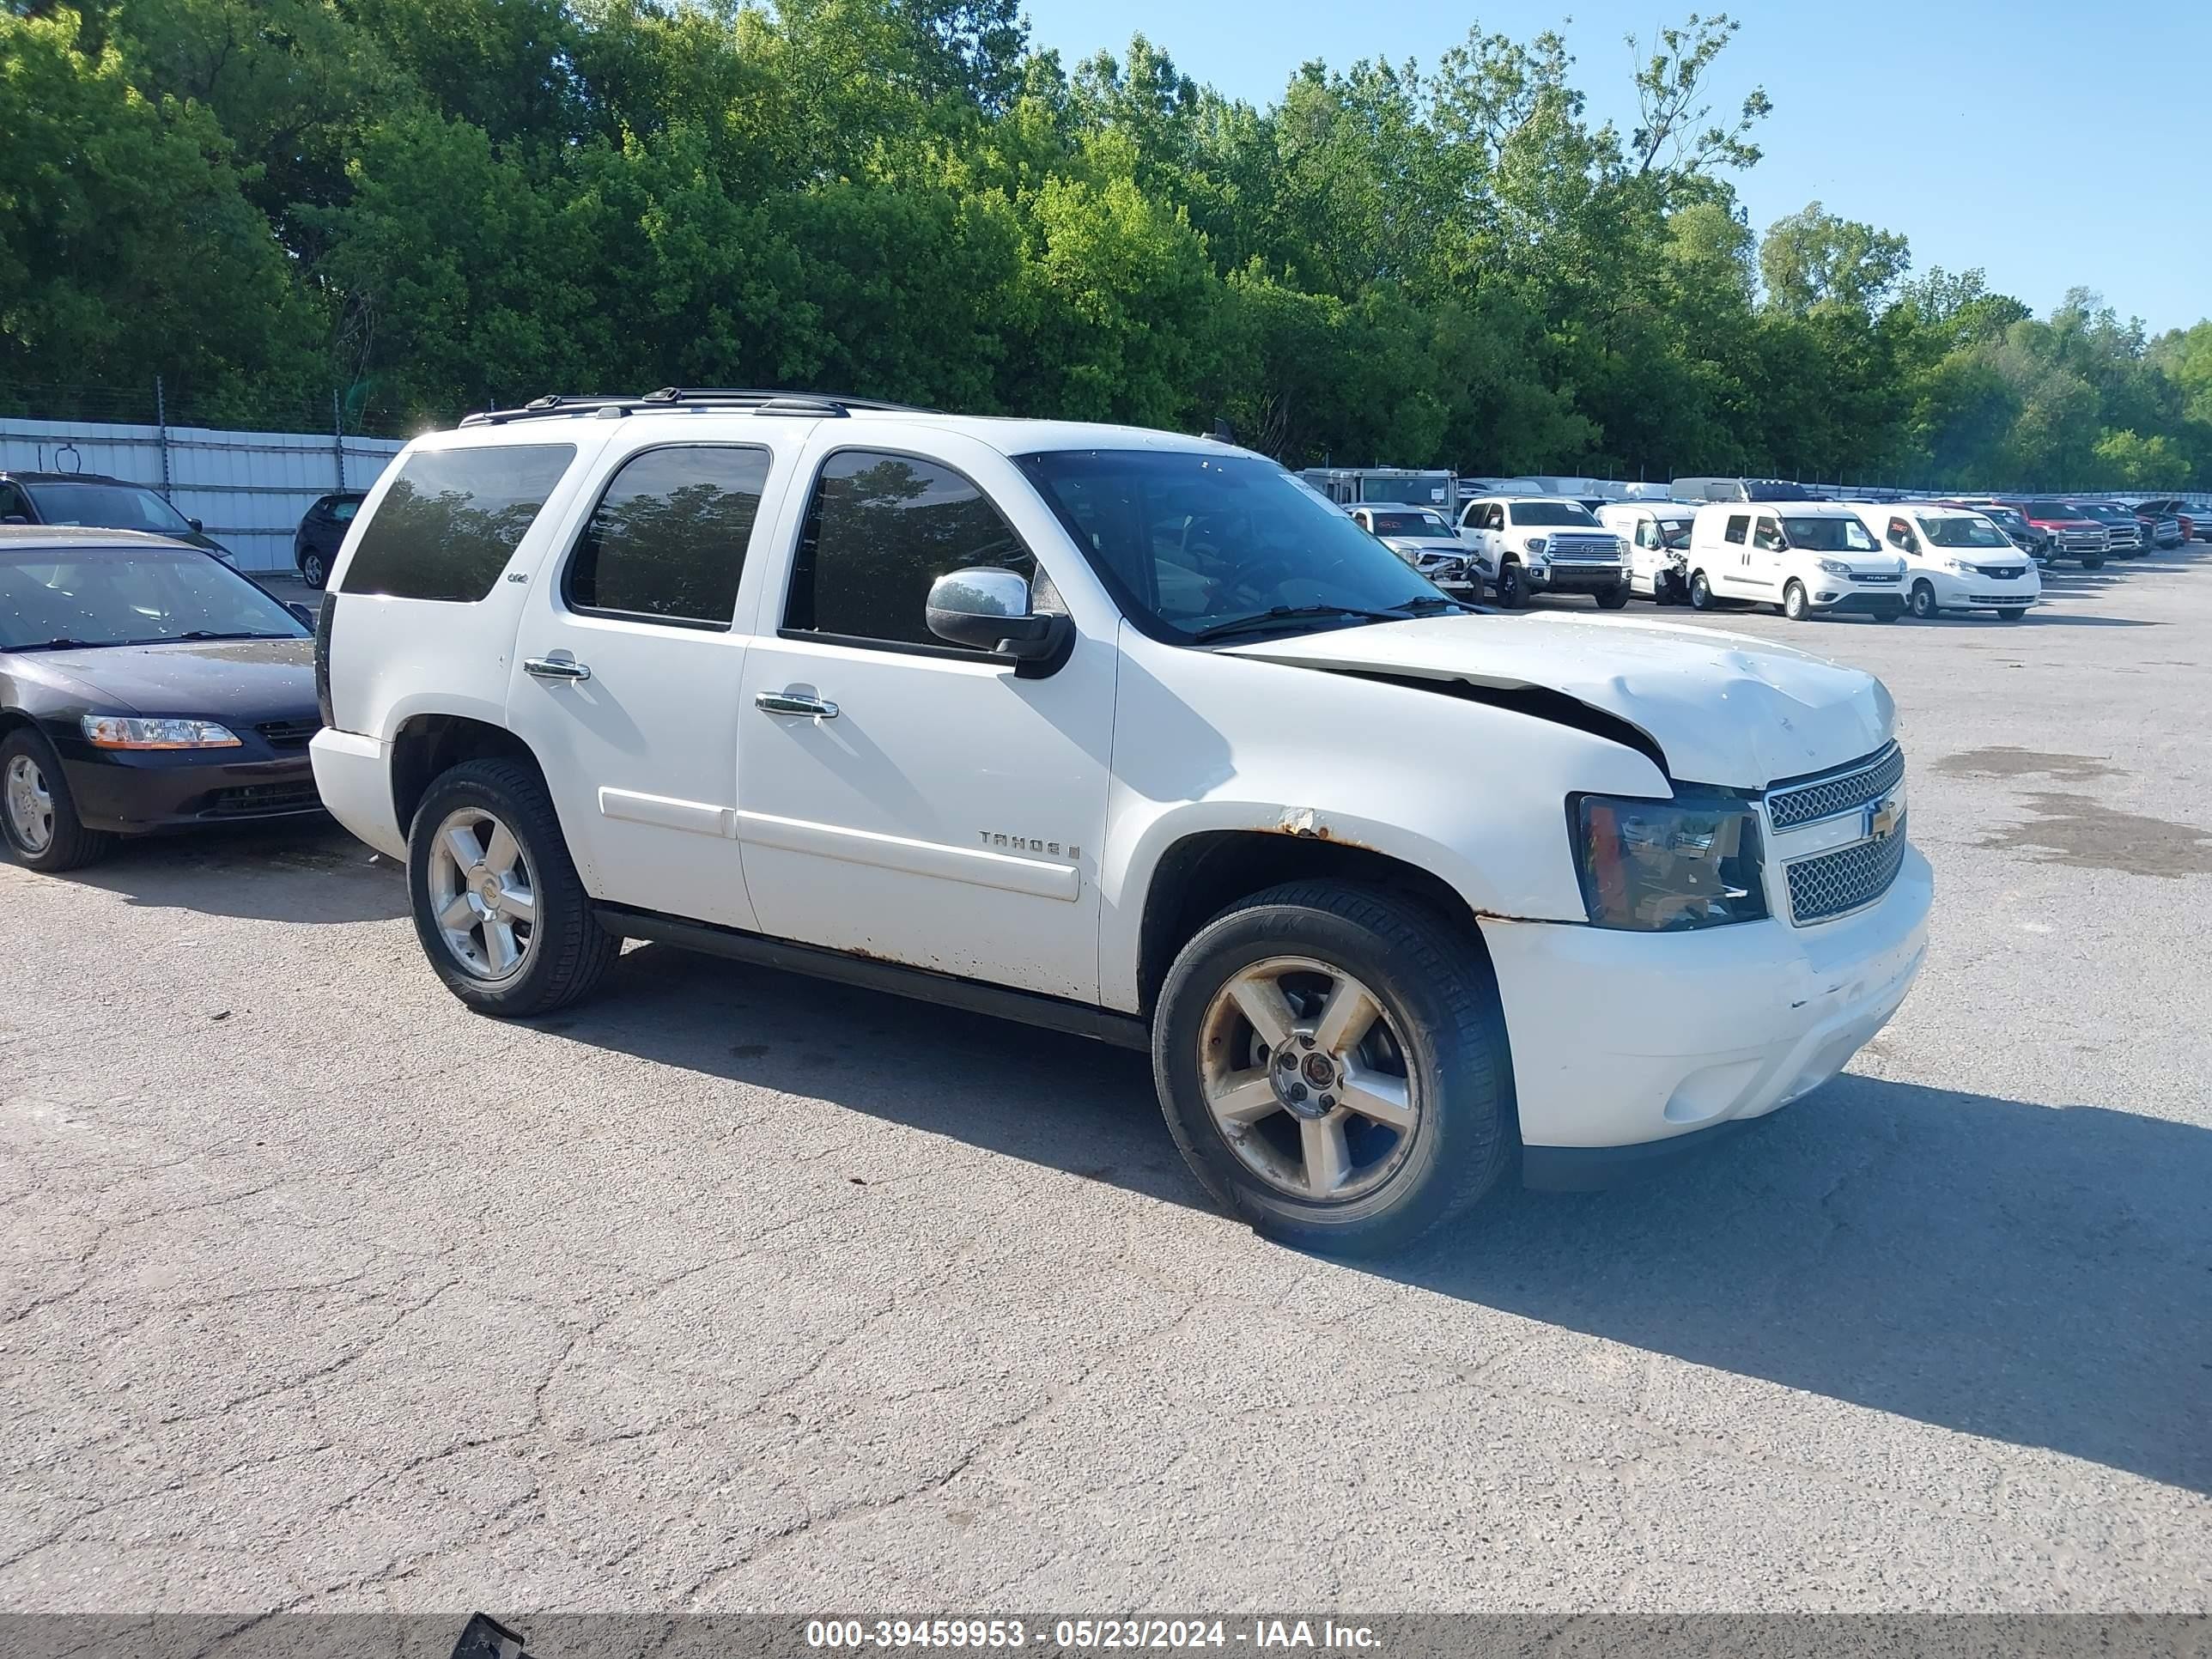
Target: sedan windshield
<point>1956,530</point>
<point>1825,535</point>
<point>107,507</point>
<point>63,597</point>
<point>1573,513</point>
<point>1187,541</point>
<point>1410,524</point>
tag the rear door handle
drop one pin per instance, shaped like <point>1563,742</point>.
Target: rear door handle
<point>555,668</point>
<point>792,703</point>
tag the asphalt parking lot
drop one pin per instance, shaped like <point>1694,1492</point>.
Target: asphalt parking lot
<point>731,1291</point>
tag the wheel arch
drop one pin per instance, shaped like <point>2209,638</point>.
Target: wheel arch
<point>1205,871</point>
<point>427,743</point>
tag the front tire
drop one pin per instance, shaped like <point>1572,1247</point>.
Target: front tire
<point>314,570</point>
<point>38,816</point>
<point>1794,603</point>
<point>1332,1061</point>
<point>1923,600</point>
<point>498,906</point>
<point>1701,592</point>
<point>2012,612</point>
<point>1512,586</point>
<point>2093,561</point>
<point>1612,599</point>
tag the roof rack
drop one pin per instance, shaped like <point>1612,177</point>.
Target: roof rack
<point>762,400</point>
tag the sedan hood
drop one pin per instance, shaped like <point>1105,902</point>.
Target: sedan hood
<point>232,681</point>
<point>1723,708</point>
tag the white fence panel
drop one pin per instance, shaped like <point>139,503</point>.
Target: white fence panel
<point>249,489</point>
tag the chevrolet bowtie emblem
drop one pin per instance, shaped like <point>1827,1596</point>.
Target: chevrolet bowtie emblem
<point>1883,817</point>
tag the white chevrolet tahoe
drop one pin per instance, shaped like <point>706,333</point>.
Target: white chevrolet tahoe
<point>1544,543</point>
<point>1127,734</point>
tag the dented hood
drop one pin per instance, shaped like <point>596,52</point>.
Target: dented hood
<point>1723,708</point>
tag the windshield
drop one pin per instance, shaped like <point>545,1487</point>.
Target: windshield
<point>1838,535</point>
<point>1410,524</point>
<point>1187,540</point>
<point>1959,531</point>
<point>2005,516</point>
<point>2052,512</point>
<point>1674,533</point>
<point>2107,512</point>
<point>1572,513</point>
<point>50,596</point>
<point>107,507</point>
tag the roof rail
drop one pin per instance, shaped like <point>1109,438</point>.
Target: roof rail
<point>764,399</point>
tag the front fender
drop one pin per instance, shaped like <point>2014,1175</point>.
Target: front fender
<point>1471,792</point>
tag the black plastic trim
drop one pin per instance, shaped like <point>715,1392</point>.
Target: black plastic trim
<point>870,973</point>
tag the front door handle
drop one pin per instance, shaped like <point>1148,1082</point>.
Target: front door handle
<point>555,668</point>
<point>794,702</point>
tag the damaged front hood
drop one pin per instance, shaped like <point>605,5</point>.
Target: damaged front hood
<point>1723,708</point>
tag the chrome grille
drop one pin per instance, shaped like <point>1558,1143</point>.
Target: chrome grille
<point>1601,549</point>
<point>1845,879</point>
<point>2080,541</point>
<point>1866,782</point>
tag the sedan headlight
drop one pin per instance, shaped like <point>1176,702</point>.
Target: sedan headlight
<point>121,731</point>
<point>1835,567</point>
<point>1665,866</point>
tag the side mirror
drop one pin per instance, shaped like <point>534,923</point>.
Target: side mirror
<point>195,524</point>
<point>15,518</point>
<point>987,609</point>
<point>305,613</point>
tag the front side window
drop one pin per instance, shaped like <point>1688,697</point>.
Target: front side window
<point>1830,535</point>
<point>343,512</point>
<point>452,520</point>
<point>1739,527</point>
<point>13,507</point>
<point>1188,540</point>
<point>667,540</point>
<point>61,598</point>
<point>108,507</point>
<point>1767,537</point>
<point>1900,533</point>
<point>881,529</point>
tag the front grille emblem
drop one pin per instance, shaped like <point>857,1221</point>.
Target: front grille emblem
<point>1882,818</point>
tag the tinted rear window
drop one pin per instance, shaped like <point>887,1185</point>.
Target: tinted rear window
<point>452,518</point>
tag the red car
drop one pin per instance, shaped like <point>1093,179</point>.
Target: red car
<point>2071,536</point>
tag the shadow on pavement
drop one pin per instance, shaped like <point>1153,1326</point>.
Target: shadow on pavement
<point>279,874</point>
<point>2036,1275</point>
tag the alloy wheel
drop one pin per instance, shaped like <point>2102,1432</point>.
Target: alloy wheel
<point>30,803</point>
<point>482,894</point>
<point>1306,1077</point>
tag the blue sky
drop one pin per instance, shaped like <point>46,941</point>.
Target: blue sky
<point>2025,138</point>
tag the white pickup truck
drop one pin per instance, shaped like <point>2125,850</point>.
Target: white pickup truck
<point>1127,734</point>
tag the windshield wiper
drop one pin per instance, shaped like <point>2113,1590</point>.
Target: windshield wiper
<point>1288,613</point>
<point>54,645</point>
<point>1413,606</point>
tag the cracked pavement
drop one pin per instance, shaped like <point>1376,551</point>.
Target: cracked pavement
<point>732,1291</point>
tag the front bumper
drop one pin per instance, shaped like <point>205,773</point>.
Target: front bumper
<point>142,792</point>
<point>1627,1039</point>
<point>1840,596</point>
<point>1577,578</point>
<point>1956,592</point>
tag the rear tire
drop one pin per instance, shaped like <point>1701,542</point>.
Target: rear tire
<point>314,570</point>
<point>37,814</point>
<point>1433,1050</point>
<point>1794,603</point>
<point>562,949</point>
<point>2093,561</point>
<point>1923,600</point>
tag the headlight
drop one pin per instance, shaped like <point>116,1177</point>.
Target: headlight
<point>1664,866</point>
<point>1960,568</point>
<point>120,731</point>
<point>1536,543</point>
<point>1835,567</point>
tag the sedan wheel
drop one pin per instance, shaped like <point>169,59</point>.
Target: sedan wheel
<point>482,894</point>
<point>30,804</point>
<point>313,570</point>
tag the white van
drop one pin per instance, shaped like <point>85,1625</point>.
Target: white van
<point>1658,538</point>
<point>1955,559</point>
<point>1801,557</point>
